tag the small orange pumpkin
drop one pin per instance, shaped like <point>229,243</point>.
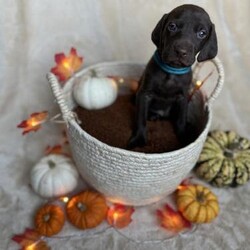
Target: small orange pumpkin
<point>86,210</point>
<point>49,220</point>
<point>197,203</point>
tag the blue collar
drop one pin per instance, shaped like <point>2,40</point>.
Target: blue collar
<point>168,69</point>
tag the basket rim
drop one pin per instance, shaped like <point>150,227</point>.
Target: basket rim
<point>130,153</point>
<point>126,152</point>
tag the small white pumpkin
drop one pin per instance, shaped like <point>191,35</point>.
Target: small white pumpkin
<point>53,176</point>
<point>95,93</point>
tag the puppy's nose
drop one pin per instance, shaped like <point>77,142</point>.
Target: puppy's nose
<point>181,52</point>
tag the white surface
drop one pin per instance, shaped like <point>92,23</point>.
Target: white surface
<point>31,32</point>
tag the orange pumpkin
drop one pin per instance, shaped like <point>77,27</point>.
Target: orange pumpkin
<point>49,220</point>
<point>87,209</point>
<point>197,203</point>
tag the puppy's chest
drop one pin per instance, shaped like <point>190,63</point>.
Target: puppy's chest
<point>169,88</point>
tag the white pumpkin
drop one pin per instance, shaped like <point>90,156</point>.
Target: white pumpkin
<point>95,93</point>
<point>53,176</point>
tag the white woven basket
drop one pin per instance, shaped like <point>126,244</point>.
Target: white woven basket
<point>123,176</point>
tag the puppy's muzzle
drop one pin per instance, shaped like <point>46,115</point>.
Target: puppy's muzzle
<point>181,53</point>
<point>184,51</point>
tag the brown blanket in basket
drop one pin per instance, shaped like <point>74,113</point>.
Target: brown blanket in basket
<point>113,126</point>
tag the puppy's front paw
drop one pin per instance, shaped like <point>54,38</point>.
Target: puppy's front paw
<point>138,140</point>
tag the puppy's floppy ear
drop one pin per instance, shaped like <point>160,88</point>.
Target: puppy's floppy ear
<point>157,32</point>
<point>209,49</point>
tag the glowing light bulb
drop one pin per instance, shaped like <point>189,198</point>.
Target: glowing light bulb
<point>116,215</point>
<point>65,199</point>
<point>66,64</point>
<point>31,247</point>
<point>121,80</point>
<point>198,83</point>
<point>33,122</point>
<point>181,187</point>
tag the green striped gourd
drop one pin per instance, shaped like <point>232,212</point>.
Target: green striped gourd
<point>225,159</point>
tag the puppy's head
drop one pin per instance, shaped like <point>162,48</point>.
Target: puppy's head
<point>183,33</point>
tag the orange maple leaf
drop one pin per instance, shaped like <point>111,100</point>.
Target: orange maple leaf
<point>34,122</point>
<point>67,65</point>
<point>119,215</point>
<point>30,240</point>
<point>57,149</point>
<point>172,220</point>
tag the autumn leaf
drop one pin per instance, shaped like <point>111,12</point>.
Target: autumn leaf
<point>67,65</point>
<point>30,240</point>
<point>172,220</point>
<point>57,149</point>
<point>119,216</point>
<point>186,182</point>
<point>34,122</point>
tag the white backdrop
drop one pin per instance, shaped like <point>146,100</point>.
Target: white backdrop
<point>32,31</point>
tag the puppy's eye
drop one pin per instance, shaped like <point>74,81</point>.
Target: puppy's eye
<point>202,34</point>
<point>172,27</point>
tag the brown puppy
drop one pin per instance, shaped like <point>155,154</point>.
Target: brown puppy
<point>163,88</point>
